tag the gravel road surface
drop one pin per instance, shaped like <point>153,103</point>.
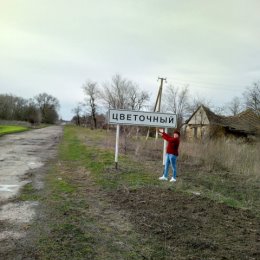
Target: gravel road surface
<point>23,156</point>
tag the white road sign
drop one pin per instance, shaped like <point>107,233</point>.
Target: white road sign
<point>141,118</point>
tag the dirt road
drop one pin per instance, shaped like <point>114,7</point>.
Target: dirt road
<point>22,156</point>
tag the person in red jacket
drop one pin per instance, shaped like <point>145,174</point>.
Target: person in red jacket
<point>171,154</point>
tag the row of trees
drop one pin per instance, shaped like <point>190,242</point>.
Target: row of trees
<point>121,93</point>
<point>43,108</point>
<point>178,101</point>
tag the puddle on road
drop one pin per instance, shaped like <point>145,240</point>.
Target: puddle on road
<point>34,165</point>
<point>8,188</point>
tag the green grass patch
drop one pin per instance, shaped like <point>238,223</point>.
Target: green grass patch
<point>9,129</point>
<point>218,186</point>
<point>76,230</point>
<point>28,193</point>
<point>65,235</point>
<point>101,162</point>
<point>222,187</point>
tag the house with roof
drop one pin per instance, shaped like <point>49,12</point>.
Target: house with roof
<point>204,124</point>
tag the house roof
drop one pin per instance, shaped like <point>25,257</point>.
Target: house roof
<point>247,121</point>
<point>212,117</point>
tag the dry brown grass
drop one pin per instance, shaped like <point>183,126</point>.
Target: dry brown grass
<point>225,154</point>
<point>227,171</point>
<point>223,170</point>
<point>235,156</point>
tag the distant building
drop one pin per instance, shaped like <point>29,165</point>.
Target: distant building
<point>204,124</point>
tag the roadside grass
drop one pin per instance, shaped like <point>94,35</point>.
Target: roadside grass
<point>9,129</point>
<point>221,187</point>
<point>29,193</point>
<point>226,171</point>
<point>81,222</point>
<point>235,156</point>
<point>100,162</point>
<point>232,181</point>
<point>64,235</point>
<point>78,219</point>
<point>137,172</point>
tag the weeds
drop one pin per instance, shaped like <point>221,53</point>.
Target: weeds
<point>29,193</point>
<point>85,194</point>
<point>82,224</point>
<point>226,171</point>
<point>230,155</point>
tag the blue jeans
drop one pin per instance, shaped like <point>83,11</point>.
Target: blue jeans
<point>170,159</point>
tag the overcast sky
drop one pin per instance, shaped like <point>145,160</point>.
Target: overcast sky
<point>54,46</point>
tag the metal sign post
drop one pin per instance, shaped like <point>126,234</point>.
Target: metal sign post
<point>117,145</point>
<point>164,146</point>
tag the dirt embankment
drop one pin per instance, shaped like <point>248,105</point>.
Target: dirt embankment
<point>192,227</point>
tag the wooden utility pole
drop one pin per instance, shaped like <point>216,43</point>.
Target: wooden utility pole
<point>157,107</point>
<point>158,101</point>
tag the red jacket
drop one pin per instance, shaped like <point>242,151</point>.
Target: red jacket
<point>173,144</point>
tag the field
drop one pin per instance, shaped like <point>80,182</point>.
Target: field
<point>8,129</point>
<point>89,210</point>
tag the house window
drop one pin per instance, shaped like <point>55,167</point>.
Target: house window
<point>195,132</point>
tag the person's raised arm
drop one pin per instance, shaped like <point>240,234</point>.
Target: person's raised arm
<point>160,131</point>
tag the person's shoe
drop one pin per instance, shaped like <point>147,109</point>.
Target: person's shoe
<point>163,178</point>
<point>172,179</point>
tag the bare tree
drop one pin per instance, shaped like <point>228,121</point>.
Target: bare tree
<point>136,98</point>
<point>219,110</point>
<point>91,91</point>
<point>121,93</point>
<point>33,113</point>
<point>48,106</point>
<point>252,97</point>
<point>177,102</point>
<point>197,102</point>
<point>235,106</point>
<point>77,111</point>
<point>115,93</point>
